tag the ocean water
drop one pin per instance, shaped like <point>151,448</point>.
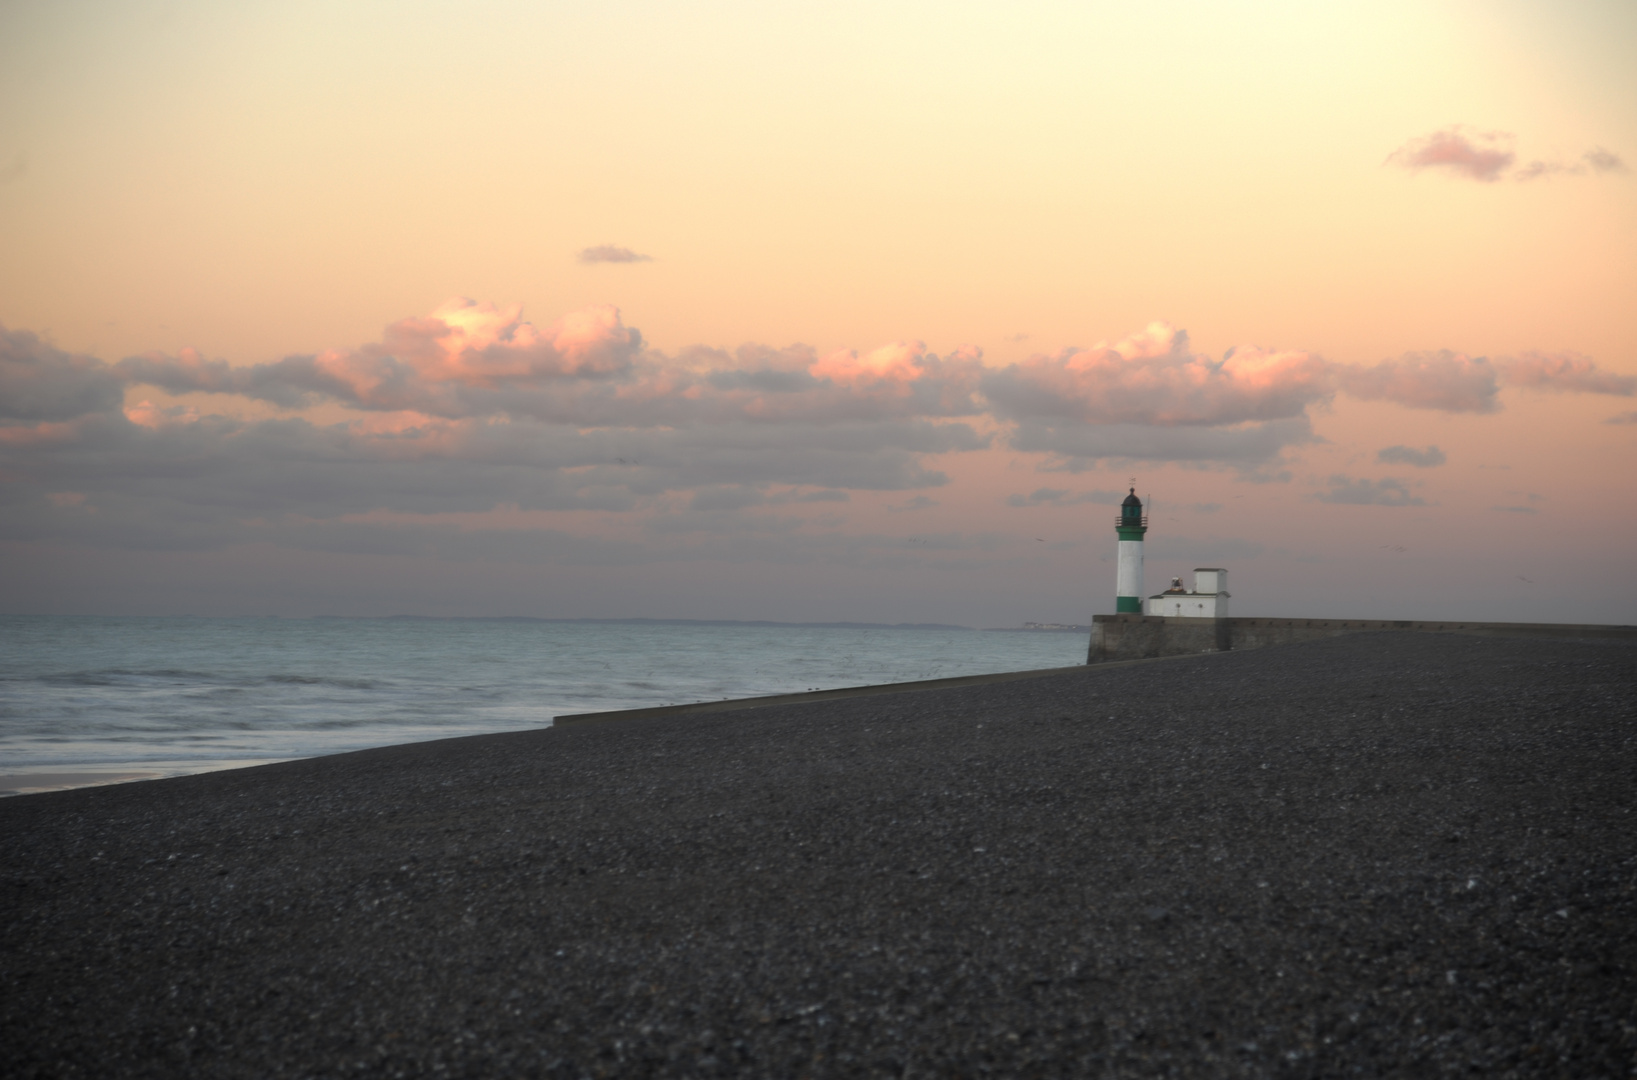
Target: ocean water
<point>165,696</point>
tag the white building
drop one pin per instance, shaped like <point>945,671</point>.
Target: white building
<point>1207,600</point>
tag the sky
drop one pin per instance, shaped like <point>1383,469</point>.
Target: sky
<point>817,312</point>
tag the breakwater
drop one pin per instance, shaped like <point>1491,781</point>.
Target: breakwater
<point>1138,637</point>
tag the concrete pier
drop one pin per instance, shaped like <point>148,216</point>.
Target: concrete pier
<point>1138,637</point>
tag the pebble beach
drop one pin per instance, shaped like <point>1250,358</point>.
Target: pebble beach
<point>1384,854</point>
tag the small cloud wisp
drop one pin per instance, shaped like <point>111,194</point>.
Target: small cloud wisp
<point>1487,156</point>
<point>1350,492</point>
<point>1429,458</point>
<point>611,253</point>
<point>1480,156</point>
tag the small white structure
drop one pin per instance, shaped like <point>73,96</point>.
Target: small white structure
<point>1207,600</point>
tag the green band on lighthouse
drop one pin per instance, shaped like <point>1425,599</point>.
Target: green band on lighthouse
<point>1128,604</point>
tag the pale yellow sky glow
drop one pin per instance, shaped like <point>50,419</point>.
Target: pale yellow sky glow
<point>942,230</point>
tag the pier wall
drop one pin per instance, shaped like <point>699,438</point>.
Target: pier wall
<point>1138,637</point>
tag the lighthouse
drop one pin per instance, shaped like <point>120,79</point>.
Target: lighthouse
<point>1131,525</point>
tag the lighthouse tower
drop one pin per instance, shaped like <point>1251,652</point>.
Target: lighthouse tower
<point>1131,525</point>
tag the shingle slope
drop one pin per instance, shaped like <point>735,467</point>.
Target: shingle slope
<point>1373,855</point>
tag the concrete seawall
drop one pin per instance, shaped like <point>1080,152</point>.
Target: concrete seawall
<point>1136,637</point>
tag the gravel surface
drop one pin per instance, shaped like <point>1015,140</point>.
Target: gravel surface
<point>1387,854</point>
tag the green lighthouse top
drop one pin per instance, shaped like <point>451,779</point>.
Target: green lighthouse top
<point>1131,523</point>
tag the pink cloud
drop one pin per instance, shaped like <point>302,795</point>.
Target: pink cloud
<point>144,414</point>
<point>471,360</point>
<point>420,364</point>
<point>45,433</point>
<point>896,363</point>
<point>1537,169</point>
<point>1455,382</point>
<point>612,253</point>
<point>147,414</point>
<point>1595,160</point>
<point>1479,156</point>
<point>480,344</point>
<point>1450,381</point>
<point>1487,157</point>
<point>1601,160</point>
<point>1563,372</point>
<point>1154,377</point>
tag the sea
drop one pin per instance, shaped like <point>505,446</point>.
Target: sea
<point>87,699</point>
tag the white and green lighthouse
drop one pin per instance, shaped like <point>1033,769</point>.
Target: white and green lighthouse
<point>1131,525</point>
